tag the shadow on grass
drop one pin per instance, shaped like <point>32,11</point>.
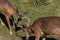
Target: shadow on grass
<point>18,28</point>
<point>33,38</point>
<point>3,18</point>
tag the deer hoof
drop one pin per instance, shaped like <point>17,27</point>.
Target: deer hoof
<point>11,33</point>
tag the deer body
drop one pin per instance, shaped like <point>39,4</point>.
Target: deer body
<point>7,9</point>
<point>44,26</point>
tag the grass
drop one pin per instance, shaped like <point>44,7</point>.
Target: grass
<point>52,8</point>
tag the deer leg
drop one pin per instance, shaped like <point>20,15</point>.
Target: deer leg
<point>38,33</point>
<point>26,34</point>
<point>8,21</point>
<point>13,25</point>
<point>13,22</point>
<point>2,22</point>
<point>27,37</point>
<point>43,38</point>
<point>38,36</point>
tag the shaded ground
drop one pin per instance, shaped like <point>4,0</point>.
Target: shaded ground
<point>33,38</point>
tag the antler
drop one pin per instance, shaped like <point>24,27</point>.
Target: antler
<point>28,24</point>
<point>27,20</point>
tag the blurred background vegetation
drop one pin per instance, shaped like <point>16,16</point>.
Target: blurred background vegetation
<point>37,9</point>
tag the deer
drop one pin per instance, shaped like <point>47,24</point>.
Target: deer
<point>10,11</point>
<point>42,27</point>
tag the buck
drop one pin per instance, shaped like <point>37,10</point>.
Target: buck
<point>8,10</point>
<point>43,26</point>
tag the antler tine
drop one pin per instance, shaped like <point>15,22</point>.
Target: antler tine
<point>27,20</point>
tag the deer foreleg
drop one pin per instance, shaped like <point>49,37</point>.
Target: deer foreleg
<point>8,21</point>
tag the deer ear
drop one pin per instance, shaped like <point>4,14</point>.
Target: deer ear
<point>17,11</point>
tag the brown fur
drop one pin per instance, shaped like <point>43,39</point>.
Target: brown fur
<point>44,26</point>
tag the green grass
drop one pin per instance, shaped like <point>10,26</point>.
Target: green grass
<point>52,8</point>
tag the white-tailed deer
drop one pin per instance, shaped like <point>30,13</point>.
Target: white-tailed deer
<point>44,26</point>
<point>7,9</point>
